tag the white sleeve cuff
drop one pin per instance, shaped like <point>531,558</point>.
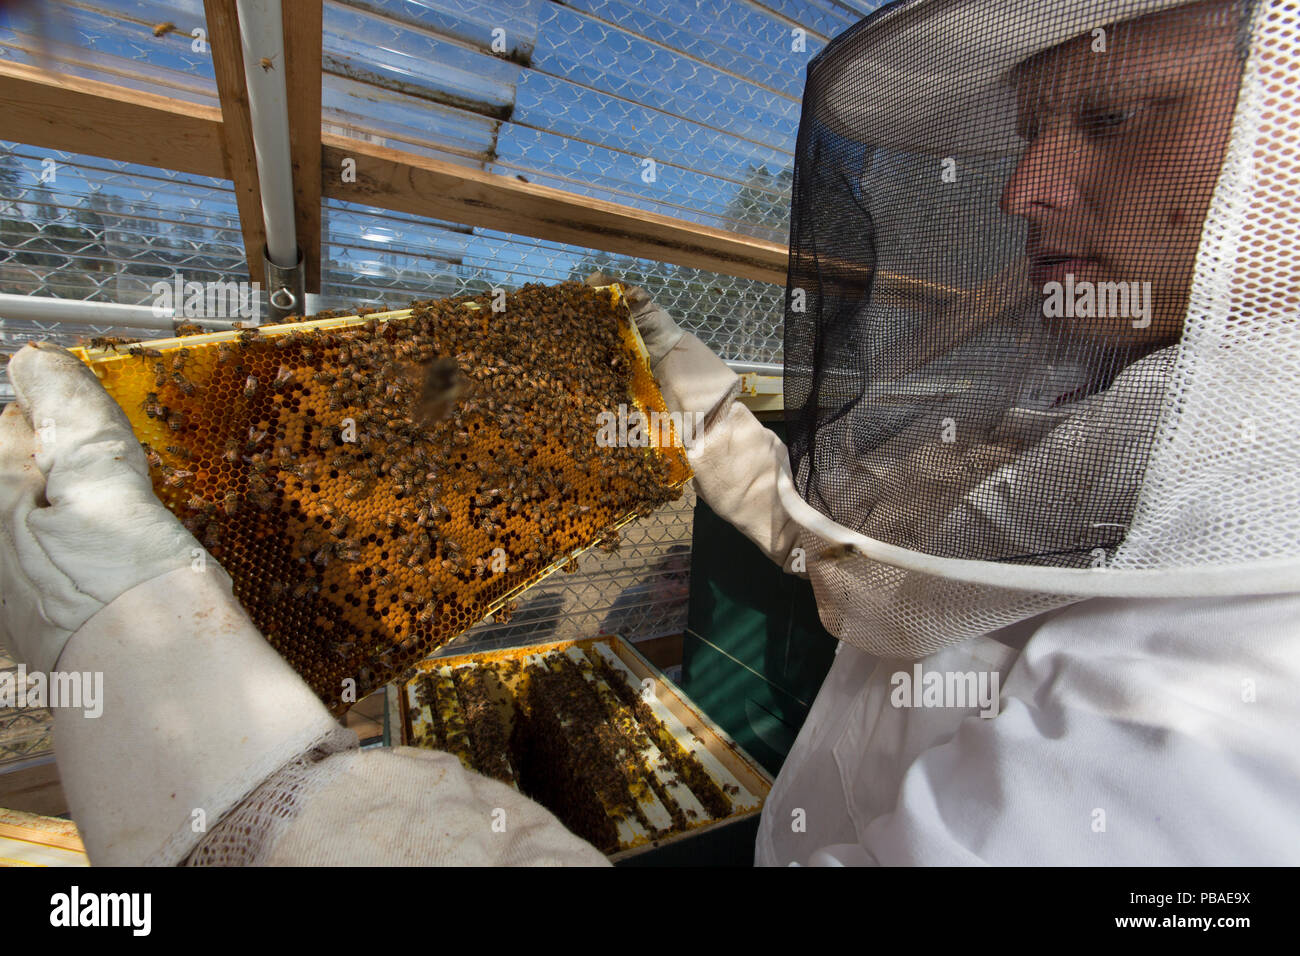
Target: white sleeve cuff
<point>197,710</point>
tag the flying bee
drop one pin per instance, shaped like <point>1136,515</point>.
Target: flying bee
<point>162,29</point>
<point>250,386</point>
<point>839,552</point>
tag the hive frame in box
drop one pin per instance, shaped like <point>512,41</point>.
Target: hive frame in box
<point>692,729</point>
<point>643,393</point>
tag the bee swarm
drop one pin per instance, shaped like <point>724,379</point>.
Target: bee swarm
<point>359,534</point>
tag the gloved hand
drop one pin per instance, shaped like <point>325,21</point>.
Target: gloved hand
<point>79,522</point>
<point>658,330</point>
<point>98,577</point>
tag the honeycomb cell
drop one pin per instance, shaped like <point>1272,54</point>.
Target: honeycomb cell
<point>362,531</point>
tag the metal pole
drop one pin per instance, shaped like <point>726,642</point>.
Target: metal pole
<point>261,34</point>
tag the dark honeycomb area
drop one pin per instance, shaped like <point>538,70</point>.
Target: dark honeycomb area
<point>564,728</point>
<point>362,535</point>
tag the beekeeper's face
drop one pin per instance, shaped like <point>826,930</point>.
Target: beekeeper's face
<point>1125,143</point>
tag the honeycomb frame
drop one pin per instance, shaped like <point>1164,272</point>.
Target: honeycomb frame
<point>359,555</point>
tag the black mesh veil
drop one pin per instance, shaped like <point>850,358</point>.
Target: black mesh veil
<point>996,212</point>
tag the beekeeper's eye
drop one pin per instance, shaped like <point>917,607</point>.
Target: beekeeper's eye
<point>1107,121</point>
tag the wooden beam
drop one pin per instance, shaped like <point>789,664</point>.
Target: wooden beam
<point>422,186</point>
<point>87,116</point>
<point>237,128</point>
<point>54,111</point>
<point>302,77</point>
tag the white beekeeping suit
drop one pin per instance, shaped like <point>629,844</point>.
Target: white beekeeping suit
<point>1099,506</point>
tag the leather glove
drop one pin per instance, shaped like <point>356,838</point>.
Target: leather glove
<point>79,522</point>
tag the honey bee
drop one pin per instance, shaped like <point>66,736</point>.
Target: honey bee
<point>250,386</point>
<point>185,385</point>
<point>175,420</point>
<point>231,503</point>
<point>162,29</point>
<point>224,351</point>
<point>151,456</point>
<point>267,63</point>
<point>231,454</point>
<point>282,377</point>
<point>247,337</point>
<point>178,451</point>
<point>177,477</point>
<point>151,406</point>
<point>179,359</point>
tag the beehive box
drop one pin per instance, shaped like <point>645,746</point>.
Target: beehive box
<point>361,536</point>
<point>593,732</point>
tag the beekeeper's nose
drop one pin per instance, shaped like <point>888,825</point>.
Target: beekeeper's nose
<point>1048,177</point>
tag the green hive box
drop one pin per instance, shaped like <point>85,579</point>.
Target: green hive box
<point>755,652</point>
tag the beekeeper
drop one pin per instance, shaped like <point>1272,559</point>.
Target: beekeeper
<point>1042,397</point>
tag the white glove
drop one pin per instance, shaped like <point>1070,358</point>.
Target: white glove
<point>79,522</point>
<point>196,709</point>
